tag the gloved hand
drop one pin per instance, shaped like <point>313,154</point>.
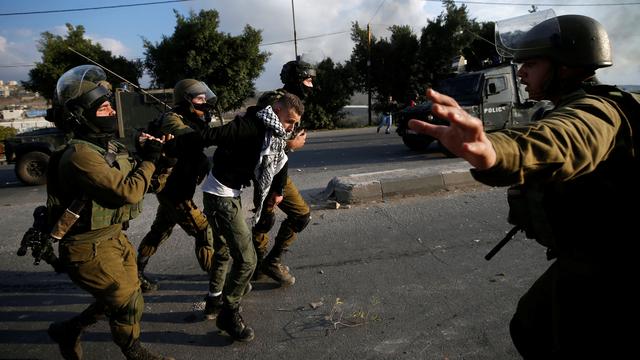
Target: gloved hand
<point>151,150</point>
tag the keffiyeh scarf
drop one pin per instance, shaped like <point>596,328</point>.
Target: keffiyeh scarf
<point>272,157</point>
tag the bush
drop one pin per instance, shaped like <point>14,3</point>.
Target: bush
<point>7,132</point>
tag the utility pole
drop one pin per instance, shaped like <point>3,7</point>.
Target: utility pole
<point>369,72</point>
<point>295,40</point>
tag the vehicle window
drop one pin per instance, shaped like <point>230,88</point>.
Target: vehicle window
<point>500,84</point>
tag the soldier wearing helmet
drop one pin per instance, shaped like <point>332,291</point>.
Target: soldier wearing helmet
<point>297,78</point>
<point>570,173</point>
<point>193,105</point>
<point>99,172</point>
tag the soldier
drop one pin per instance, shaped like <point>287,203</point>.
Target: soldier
<point>193,101</point>
<point>573,168</point>
<point>99,172</point>
<point>297,77</point>
<point>251,147</point>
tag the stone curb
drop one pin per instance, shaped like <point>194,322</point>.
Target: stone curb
<point>378,186</point>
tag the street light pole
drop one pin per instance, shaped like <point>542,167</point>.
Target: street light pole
<point>369,72</point>
<point>295,40</point>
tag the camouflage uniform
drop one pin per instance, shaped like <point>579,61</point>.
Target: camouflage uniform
<point>175,200</point>
<point>579,163</point>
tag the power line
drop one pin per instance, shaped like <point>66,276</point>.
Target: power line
<point>93,8</point>
<point>468,2</point>
<point>378,9</point>
<point>306,38</point>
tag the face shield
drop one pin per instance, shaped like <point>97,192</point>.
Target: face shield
<point>199,88</point>
<point>515,38</point>
<point>80,84</point>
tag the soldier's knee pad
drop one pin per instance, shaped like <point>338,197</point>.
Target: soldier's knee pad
<point>266,222</point>
<point>299,223</point>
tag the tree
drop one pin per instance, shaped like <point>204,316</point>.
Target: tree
<point>228,64</point>
<point>392,61</point>
<point>442,40</point>
<point>57,58</point>
<point>333,87</point>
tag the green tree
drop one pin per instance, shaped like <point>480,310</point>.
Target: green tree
<point>57,58</point>
<point>333,87</point>
<point>442,40</point>
<point>393,61</point>
<point>228,64</point>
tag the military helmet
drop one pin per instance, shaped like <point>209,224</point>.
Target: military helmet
<point>81,87</point>
<point>296,71</point>
<point>187,89</point>
<point>79,90</point>
<point>571,40</point>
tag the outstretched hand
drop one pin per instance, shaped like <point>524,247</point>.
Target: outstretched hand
<point>464,136</point>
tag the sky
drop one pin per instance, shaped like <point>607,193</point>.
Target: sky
<point>322,27</point>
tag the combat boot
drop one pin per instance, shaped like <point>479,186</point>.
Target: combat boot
<point>275,269</point>
<point>147,285</point>
<point>67,335</point>
<point>212,306</point>
<point>138,352</point>
<point>230,321</point>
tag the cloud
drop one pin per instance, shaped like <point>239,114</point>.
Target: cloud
<point>116,47</point>
<point>3,44</point>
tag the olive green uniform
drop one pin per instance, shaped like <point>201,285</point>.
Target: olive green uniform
<point>175,201</point>
<point>96,254</point>
<point>579,171</point>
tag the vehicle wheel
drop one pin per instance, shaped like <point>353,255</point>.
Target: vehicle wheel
<point>417,142</point>
<point>31,168</point>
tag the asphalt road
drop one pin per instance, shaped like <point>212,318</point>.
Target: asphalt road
<point>402,279</point>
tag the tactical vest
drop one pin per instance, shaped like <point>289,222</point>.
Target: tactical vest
<point>95,216</point>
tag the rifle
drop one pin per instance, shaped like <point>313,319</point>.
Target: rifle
<point>40,240</point>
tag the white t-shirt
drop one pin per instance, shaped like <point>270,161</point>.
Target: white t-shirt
<point>212,186</point>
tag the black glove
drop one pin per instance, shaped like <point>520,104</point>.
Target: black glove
<point>151,150</point>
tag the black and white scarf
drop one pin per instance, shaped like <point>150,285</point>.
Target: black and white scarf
<point>272,157</point>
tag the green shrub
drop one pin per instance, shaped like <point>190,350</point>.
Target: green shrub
<point>7,132</point>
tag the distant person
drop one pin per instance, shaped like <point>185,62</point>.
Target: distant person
<point>386,116</point>
<point>575,176</point>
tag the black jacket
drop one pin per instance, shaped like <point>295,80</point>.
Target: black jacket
<point>239,145</point>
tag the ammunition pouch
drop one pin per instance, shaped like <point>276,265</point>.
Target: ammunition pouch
<point>526,211</point>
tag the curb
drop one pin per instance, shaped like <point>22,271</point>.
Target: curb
<point>378,186</point>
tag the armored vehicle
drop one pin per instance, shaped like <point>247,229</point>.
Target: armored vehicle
<point>493,95</point>
<point>30,151</point>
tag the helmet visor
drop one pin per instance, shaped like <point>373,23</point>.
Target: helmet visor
<point>513,35</point>
<point>200,88</point>
<point>70,84</point>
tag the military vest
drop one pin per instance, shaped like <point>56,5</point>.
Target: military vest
<point>94,216</point>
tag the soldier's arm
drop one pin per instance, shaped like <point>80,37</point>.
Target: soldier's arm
<point>172,124</point>
<point>89,171</point>
<point>569,142</point>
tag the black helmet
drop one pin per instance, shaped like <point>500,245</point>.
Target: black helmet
<point>296,71</point>
<point>571,40</point>
<point>293,75</point>
<point>187,89</point>
<point>79,92</point>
